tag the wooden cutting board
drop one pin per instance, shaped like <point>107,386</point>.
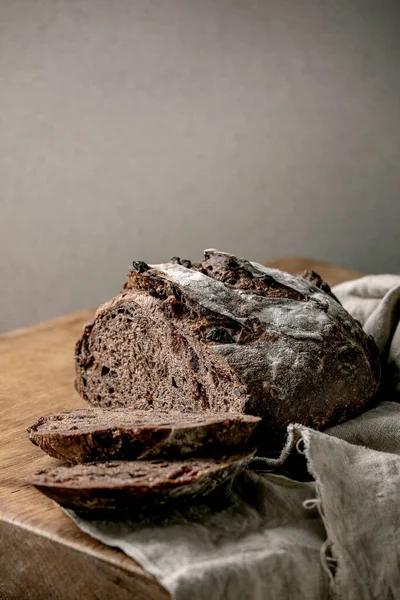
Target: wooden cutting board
<point>43,555</point>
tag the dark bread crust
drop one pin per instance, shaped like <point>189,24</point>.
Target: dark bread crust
<point>135,485</point>
<point>95,434</point>
<point>317,280</point>
<point>262,342</point>
<point>238,274</point>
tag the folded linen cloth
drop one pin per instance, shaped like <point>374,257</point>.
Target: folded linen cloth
<point>337,536</point>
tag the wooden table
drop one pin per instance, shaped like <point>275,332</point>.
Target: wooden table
<point>43,555</point>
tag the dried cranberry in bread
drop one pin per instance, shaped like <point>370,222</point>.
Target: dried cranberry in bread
<point>224,335</point>
<point>95,434</point>
<point>135,485</point>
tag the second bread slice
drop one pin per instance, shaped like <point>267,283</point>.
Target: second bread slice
<point>88,435</point>
<point>135,485</point>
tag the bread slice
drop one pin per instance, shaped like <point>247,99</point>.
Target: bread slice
<point>228,335</point>
<point>135,485</point>
<point>88,435</point>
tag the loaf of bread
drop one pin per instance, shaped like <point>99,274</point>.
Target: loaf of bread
<point>95,434</point>
<point>228,335</point>
<point>135,485</point>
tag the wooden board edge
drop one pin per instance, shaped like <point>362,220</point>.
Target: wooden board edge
<point>56,571</point>
<point>111,558</point>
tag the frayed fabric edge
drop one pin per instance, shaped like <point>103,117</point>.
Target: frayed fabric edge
<point>294,436</point>
<point>330,560</point>
<point>298,440</point>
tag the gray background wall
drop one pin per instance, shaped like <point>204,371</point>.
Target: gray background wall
<point>147,128</point>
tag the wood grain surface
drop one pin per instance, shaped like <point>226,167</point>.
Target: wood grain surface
<point>43,555</point>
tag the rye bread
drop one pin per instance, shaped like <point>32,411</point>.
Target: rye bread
<point>135,485</point>
<point>95,434</point>
<point>228,335</point>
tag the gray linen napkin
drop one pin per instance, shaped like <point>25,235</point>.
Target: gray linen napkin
<point>271,537</point>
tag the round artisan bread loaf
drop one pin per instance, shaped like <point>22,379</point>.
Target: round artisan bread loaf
<point>228,335</point>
